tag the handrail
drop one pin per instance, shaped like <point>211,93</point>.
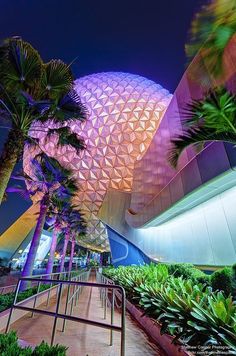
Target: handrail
<point>13,286</point>
<point>2,289</point>
<point>65,316</point>
<point>106,280</point>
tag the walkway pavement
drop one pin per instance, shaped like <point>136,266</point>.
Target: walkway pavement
<point>86,340</point>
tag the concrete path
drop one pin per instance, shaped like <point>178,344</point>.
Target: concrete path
<point>86,340</point>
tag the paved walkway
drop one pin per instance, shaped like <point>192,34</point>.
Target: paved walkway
<point>82,339</point>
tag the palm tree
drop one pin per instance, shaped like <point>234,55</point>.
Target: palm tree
<point>75,222</point>
<point>211,119</point>
<point>32,91</point>
<point>66,235</point>
<point>66,219</point>
<point>50,181</point>
<point>73,242</point>
<point>211,32</point>
<point>78,229</point>
<point>57,214</point>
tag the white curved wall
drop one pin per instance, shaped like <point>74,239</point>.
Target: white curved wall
<point>205,234</point>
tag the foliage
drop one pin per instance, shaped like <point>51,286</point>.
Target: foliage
<point>49,181</point>
<point>35,91</point>
<point>234,281</point>
<point>188,271</point>
<point>9,347</point>
<point>133,276</point>
<point>222,280</point>
<point>46,350</point>
<point>66,137</point>
<point>93,263</point>
<point>211,31</point>
<point>6,300</point>
<point>187,309</point>
<point>212,118</point>
<point>32,95</point>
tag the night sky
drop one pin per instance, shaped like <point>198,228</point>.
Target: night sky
<point>141,37</point>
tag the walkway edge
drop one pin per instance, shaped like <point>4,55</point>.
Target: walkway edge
<point>152,329</point>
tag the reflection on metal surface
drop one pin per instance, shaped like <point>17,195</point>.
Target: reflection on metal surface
<point>203,235</point>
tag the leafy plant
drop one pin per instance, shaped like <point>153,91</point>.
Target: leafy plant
<point>222,280</point>
<point>9,346</point>
<point>6,300</point>
<point>212,118</point>
<point>171,294</point>
<point>188,271</point>
<point>31,94</point>
<point>211,31</point>
<point>217,319</point>
<point>134,276</point>
<point>46,350</point>
<point>234,281</point>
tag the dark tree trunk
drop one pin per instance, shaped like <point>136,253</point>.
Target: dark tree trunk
<point>12,151</point>
<point>53,246</point>
<point>29,264</point>
<point>66,239</point>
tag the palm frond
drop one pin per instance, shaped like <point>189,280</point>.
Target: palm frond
<point>217,109</point>
<point>194,137</point>
<point>67,137</point>
<point>211,31</point>
<point>23,192</point>
<point>39,107</point>
<point>69,108</point>
<point>57,79</point>
<point>21,65</point>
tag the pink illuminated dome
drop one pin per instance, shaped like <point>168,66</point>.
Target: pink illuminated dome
<point>124,113</point>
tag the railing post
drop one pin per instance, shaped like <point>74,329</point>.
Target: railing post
<point>122,348</point>
<point>35,299</point>
<point>112,316</point>
<point>49,292</point>
<point>67,298</point>
<point>56,313</point>
<point>105,302</point>
<point>105,285</point>
<point>14,302</point>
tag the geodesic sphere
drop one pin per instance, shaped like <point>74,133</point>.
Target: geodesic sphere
<point>124,113</point>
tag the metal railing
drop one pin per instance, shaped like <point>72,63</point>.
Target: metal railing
<point>109,300</point>
<point>74,288</point>
<point>106,301</point>
<point>54,276</point>
<point>7,289</point>
<point>69,276</point>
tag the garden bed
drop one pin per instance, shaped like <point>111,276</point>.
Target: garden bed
<point>179,303</point>
<point>152,329</point>
<point>18,314</point>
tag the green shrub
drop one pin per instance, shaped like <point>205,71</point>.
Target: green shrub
<point>189,310</point>
<point>133,276</point>
<point>6,300</point>
<point>222,280</point>
<point>234,281</point>
<point>188,271</point>
<point>45,350</point>
<point>9,347</point>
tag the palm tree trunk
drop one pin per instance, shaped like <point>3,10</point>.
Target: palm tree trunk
<point>49,268</point>
<point>71,254</point>
<point>64,252</point>
<point>29,264</point>
<point>11,152</point>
